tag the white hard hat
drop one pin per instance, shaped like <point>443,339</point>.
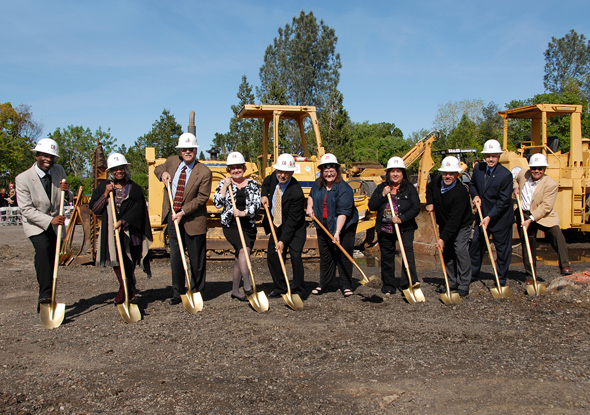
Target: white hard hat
<point>116,160</point>
<point>395,163</point>
<point>47,146</point>
<point>538,160</point>
<point>187,140</point>
<point>328,158</point>
<point>450,164</point>
<point>234,158</point>
<point>285,162</point>
<point>492,147</point>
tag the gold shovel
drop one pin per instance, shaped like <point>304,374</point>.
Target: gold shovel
<point>536,288</point>
<point>129,312</point>
<point>292,300</point>
<point>258,300</point>
<point>53,313</point>
<point>498,291</point>
<point>447,298</point>
<point>192,302</point>
<point>413,293</point>
<point>365,280</point>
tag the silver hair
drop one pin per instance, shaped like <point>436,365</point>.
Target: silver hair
<point>127,175</point>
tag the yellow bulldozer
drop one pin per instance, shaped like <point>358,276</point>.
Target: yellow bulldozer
<point>570,170</point>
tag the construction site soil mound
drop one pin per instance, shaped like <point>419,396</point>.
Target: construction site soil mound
<point>364,354</point>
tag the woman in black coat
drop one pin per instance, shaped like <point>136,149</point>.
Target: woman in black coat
<point>132,221</point>
<point>406,205</point>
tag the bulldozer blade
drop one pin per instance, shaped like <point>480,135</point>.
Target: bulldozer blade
<point>192,302</point>
<point>129,312</point>
<point>52,314</point>
<point>501,292</point>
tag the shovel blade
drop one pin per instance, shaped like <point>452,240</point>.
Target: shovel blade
<point>369,280</point>
<point>129,312</point>
<point>258,301</point>
<point>444,297</point>
<point>294,301</point>
<point>501,292</point>
<point>192,302</point>
<point>541,289</point>
<point>414,295</point>
<point>52,314</point>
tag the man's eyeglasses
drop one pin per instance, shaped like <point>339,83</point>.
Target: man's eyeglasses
<point>182,150</point>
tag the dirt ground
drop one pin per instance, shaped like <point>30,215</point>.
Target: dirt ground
<point>363,354</point>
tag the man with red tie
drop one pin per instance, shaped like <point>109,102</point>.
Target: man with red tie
<point>190,183</point>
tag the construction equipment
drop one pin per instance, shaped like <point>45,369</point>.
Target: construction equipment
<point>570,170</point>
<point>52,314</point>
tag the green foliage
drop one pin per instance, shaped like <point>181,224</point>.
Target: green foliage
<point>201,155</point>
<point>75,183</point>
<point>76,147</point>
<point>245,135</point>
<point>377,142</point>
<point>450,114</point>
<point>335,128</point>
<point>18,132</point>
<point>567,65</point>
<point>491,125</point>
<point>163,137</point>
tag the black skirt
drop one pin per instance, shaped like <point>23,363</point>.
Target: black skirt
<point>232,234</point>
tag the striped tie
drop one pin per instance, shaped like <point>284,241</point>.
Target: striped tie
<point>179,191</point>
<point>278,208</point>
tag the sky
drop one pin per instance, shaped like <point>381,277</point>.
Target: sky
<point>119,64</point>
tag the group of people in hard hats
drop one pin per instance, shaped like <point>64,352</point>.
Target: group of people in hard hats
<point>330,204</point>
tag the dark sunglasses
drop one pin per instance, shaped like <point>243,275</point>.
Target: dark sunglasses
<point>182,150</point>
<point>537,168</point>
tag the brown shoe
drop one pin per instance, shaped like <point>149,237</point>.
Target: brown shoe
<point>566,271</point>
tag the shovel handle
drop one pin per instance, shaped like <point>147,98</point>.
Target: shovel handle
<point>274,237</point>
<point>485,234</point>
<point>401,244</point>
<point>241,232</point>
<point>528,244</point>
<point>179,239</point>
<point>57,246</point>
<point>119,249</point>
<point>341,247</point>
<point>440,253</point>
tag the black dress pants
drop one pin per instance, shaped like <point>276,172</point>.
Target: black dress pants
<point>45,245</point>
<point>295,248</point>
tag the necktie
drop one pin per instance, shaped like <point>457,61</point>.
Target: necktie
<point>278,205</point>
<point>179,191</point>
<point>46,181</point>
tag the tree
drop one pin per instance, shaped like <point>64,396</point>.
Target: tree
<point>377,142</point>
<point>163,137</point>
<point>464,135</point>
<point>301,67</point>
<point>491,125</point>
<point>567,64</point>
<point>449,115</point>
<point>76,147</point>
<point>335,127</point>
<point>18,133</point>
<point>245,135</point>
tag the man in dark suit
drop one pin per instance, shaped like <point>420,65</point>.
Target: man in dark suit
<point>190,183</point>
<point>39,194</point>
<point>491,189</point>
<point>282,193</point>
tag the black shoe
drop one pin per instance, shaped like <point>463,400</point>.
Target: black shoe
<point>239,298</point>
<point>503,284</point>
<point>275,294</point>
<point>45,300</point>
<point>463,293</point>
<point>174,301</point>
<point>249,292</point>
<point>443,289</point>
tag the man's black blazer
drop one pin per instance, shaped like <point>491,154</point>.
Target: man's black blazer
<point>495,195</point>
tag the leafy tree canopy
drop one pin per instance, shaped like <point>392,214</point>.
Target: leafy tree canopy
<point>567,65</point>
<point>18,133</point>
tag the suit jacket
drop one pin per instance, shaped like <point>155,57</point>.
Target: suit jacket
<point>495,195</point>
<point>293,204</point>
<point>543,199</point>
<point>36,208</point>
<point>196,193</point>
